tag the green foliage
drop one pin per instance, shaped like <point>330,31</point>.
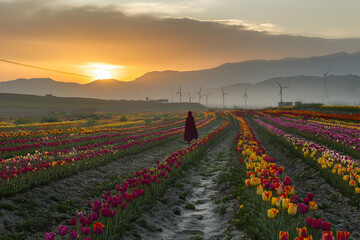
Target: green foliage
<point>190,206</point>
<point>51,117</point>
<point>123,118</point>
<point>19,121</point>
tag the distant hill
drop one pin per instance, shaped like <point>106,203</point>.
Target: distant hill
<point>15,105</point>
<point>254,74</point>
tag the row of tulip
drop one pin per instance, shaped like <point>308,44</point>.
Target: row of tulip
<point>78,127</point>
<point>106,216</point>
<point>341,141</point>
<point>315,115</point>
<point>23,172</point>
<point>70,140</point>
<point>286,213</point>
<point>341,170</point>
<point>320,124</point>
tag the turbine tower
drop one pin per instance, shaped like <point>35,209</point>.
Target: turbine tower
<point>190,97</point>
<point>179,92</point>
<point>206,97</point>
<point>246,97</point>
<point>223,96</point>
<point>281,88</point>
<point>326,90</point>
<point>199,93</point>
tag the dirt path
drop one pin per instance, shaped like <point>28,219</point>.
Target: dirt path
<point>43,208</point>
<point>333,206</point>
<point>192,207</point>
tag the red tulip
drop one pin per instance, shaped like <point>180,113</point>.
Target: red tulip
<point>73,221</point>
<point>327,235</point>
<point>98,228</point>
<point>63,230</point>
<point>310,196</point>
<point>325,226</point>
<point>342,235</point>
<point>283,235</point>
<point>85,231</point>
<point>73,235</point>
<point>49,236</point>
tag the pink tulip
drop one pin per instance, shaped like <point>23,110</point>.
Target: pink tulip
<point>73,235</point>
<point>63,230</point>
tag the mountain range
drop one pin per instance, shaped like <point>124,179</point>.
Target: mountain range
<point>304,76</point>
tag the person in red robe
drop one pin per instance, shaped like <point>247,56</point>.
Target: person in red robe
<point>190,128</point>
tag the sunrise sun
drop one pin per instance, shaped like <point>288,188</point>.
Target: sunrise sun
<point>102,70</point>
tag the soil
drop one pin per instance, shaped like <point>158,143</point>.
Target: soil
<point>192,208</point>
<point>333,206</point>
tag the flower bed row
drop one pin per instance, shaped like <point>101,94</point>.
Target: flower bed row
<point>340,170</point>
<point>271,199</point>
<point>106,218</point>
<point>27,171</point>
<point>338,140</point>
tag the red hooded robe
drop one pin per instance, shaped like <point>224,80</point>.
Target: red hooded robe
<point>190,128</point>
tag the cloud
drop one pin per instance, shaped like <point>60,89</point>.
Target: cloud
<point>33,30</point>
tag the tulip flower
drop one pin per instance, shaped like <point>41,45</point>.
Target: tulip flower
<point>259,190</point>
<point>313,205</point>
<point>255,181</point>
<point>302,232</point>
<point>292,209</point>
<point>325,226</point>
<point>294,199</point>
<point>357,190</point>
<point>352,183</point>
<point>63,230</point>
<point>266,196</point>
<point>327,235</point>
<point>272,212</point>
<point>49,236</point>
<point>73,235</point>
<point>247,182</point>
<point>283,235</point>
<point>303,208</point>
<point>306,200</point>
<point>309,221</point>
<point>98,228</point>
<point>310,196</point>
<point>73,221</point>
<point>342,235</point>
<point>285,203</point>
<point>274,201</point>
<point>85,231</point>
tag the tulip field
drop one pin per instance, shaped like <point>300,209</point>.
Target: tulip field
<point>254,174</point>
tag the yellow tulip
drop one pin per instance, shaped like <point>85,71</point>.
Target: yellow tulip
<point>313,205</point>
<point>352,183</point>
<point>274,201</point>
<point>357,190</point>
<point>266,196</point>
<point>255,181</point>
<point>285,203</point>
<point>292,209</point>
<point>259,190</point>
<point>272,212</point>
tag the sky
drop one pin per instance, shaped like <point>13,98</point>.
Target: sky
<point>125,39</point>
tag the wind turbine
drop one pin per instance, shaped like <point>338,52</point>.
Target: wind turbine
<point>246,97</point>
<point>223,96</point>
<point>281,88</point>
<point>326,90</point>
<point>190,97</point>
<point>199,93</point>
<point>179,92</point>
<point>206,97</point>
